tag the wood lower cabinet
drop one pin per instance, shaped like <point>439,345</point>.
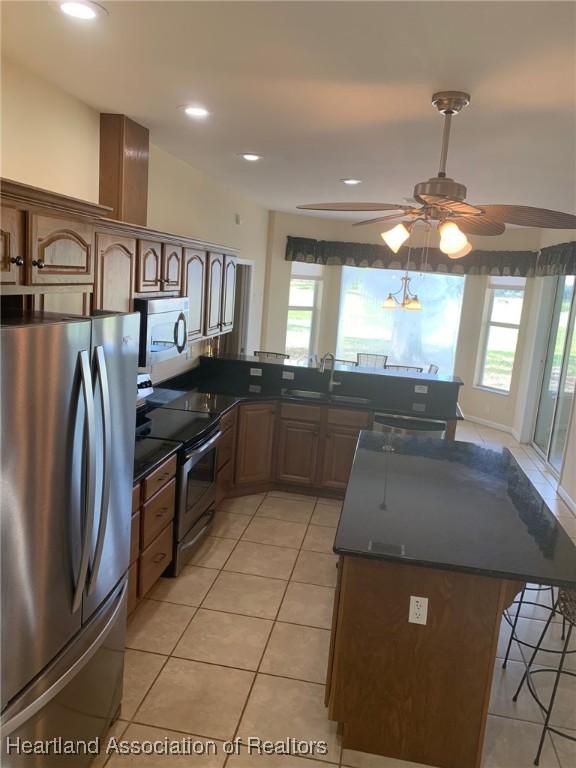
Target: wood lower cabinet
<point>339,449</point>
<point>226,454</point>
<point>194,287</point>
<point>228,294</point>
<point>214,286</point>
<point>12,254</point>
<point>255,444</point>
<point>61,251</point>
<point>149,267</point>
<point>115,272</point>
<point>297,450</point>
<point>151,544</point>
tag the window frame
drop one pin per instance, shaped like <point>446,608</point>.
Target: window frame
<point>314,309</point>
<point>495,284</point>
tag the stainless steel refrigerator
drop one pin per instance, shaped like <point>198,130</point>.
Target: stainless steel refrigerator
<point>68,404</point>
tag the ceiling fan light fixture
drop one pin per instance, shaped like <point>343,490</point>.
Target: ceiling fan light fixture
<point>460,254</point>
<point>395,237</point>
<point>452,239</point>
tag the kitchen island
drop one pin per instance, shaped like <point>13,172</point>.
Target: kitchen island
<point>461,529</point>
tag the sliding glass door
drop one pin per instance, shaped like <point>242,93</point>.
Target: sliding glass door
<point>559,381</point>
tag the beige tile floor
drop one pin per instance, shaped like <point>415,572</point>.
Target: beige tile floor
<point>238,644</point>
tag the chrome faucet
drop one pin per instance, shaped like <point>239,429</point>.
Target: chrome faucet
<point>331,382</point>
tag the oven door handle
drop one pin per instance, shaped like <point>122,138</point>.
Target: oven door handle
<point>197,453</point>
<point>181,319</point>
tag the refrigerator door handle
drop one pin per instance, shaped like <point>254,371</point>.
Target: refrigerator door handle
<point>90,484</point>
<point>14,722</point>
<point>102,379</point>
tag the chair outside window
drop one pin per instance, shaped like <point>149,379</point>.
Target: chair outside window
<point>371,360</point>
<point>271,355</point>
<point>433,368</point>
<point>405,368</point>
<point>340,361</point>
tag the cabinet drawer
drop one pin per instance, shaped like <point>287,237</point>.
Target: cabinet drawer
<point>226,447</point>
<point>301,412</point>
<point>132,587</point>
<point>346,417</point>
<point>135,538</point>
<point>135,498</point>
<point>157,513</point>
<point>154,560</point>
<point>159,477</point>
<point>228,420</point>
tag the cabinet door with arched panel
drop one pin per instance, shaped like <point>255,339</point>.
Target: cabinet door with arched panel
<point>194,287</point>
<point>11,246</point>
<point>115,272</point>
<point>149,267</point>
<point>228,293</point>
<point>214,294</point>
<point>171,267</point>
<point>60,251</point>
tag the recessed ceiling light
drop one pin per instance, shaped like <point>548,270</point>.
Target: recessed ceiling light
<point>351,182</point>
<point>251,157</point>
<point>82,9</point>
<point>196,111</point>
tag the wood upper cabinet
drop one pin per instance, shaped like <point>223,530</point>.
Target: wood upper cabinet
<point>228,293</point>
<point>254,451</point>
<point>60,251</point>
<point>297,451</point>
<point>149,267</point>
<point>12,255</point>
<point>171,267</point>
<point>115,272</point>
<point>194,286</point>
<point>339,449</point>
<point>214,286</point>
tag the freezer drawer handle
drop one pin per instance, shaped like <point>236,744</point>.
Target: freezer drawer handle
<point>90,487</point>
<point>13,723</point>
<point>102,378</point>
<point>159,557</point>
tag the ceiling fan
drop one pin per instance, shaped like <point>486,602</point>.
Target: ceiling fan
<point>442,200</point>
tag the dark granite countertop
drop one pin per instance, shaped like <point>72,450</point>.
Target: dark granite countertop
<point>451,505</point>
<point>149,453</point>
<point>339,367</point>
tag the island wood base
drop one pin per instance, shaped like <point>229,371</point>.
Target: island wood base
<point>408,691</point>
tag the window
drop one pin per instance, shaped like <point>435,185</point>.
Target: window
<point>302,317</point>
<point>408,337</point>
<point>502,313</point>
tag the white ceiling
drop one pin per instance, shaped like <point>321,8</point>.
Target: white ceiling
<point>326,90</point>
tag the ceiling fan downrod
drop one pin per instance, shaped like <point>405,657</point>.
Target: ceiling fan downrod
<point>448,103</point>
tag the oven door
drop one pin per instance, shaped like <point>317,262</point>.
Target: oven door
<point>167,336</point>
<point>197,484</point>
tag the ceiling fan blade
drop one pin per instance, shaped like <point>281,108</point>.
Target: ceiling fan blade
<point>478,225</point>
<point>527,216</point>
<point>455,206</point>
<point>392,217</point>
<point>352,207</point>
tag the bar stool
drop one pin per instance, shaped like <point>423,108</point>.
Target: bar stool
<point>566,607</point>
<point>525,599</point>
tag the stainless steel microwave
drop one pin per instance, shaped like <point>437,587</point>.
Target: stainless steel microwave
<point>163,329</point>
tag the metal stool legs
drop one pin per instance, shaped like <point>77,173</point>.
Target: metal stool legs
<point>523,600</point>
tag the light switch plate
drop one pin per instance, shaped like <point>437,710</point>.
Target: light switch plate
<point>418,613</point>
<point>288,375</point>
<point>421,389</point>
<point>255,371</point>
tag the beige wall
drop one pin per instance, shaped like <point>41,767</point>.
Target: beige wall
<point>51,140</point>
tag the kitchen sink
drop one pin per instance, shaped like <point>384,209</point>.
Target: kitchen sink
<point>349,400</point>
<point>307,394</point>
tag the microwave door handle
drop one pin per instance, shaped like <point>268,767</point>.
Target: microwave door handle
<point>181,319</point>
<point>102,380</point>
<point>90,476</point>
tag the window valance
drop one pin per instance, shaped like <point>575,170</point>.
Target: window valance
<point>554,260</point>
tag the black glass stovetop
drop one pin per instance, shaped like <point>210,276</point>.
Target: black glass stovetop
<point>191,400</point>
<point>187,427</point>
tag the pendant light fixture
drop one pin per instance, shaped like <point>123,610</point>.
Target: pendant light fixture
<point>403,298</point>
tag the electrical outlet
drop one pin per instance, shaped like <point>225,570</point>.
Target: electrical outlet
<point>418,613</point>
<point>288,375</point>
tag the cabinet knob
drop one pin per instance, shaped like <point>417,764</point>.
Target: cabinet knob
<point>38,263</point>
<point>18,260</point>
